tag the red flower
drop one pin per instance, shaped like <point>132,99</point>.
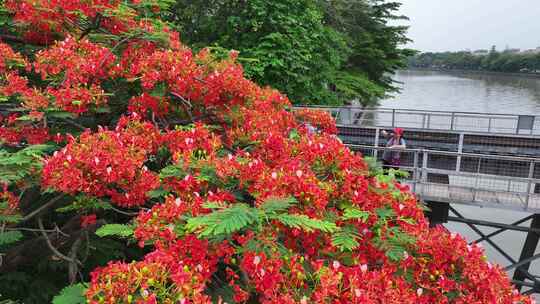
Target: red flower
<point>88,220</point>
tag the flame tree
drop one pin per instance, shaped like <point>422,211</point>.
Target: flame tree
<point>136,171</point>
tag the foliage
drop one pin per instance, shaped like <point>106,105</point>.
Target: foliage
<point>73,294</point>
<point>320,52</point>
<point>174,179</point>
<point>17,165</point>
<point>8,237</point>
<point>115,230</point>
<point>494,61</point>
<point>375,41</point>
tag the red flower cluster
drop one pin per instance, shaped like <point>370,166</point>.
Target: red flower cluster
<point>9,202</point>
<point>317,118</point>
<point>13,132</point>
<point>175,274</point>
<point>252,205</point>
<point>78,65</point>
<point>8,58</point>
<point>107,163</point>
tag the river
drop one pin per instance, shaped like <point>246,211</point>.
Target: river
<point>474,92</point>
<point>469,92</point>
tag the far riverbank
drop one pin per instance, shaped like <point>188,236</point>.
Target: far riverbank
<point>459,71</point>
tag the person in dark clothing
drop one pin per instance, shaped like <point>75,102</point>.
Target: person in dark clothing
<point>392,155</point>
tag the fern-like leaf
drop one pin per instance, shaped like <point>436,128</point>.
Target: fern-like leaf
<point>225,221</point>
<point>301,221</point>
<point>118,230</point>
<point>357,214</point>
<point>9,237</point>
<point>346,239</point>
<point>10,218</point>
<point>277,204</point>
<point>83,202</point>
<point>21,164</point>
<point>73,294</point>
<point>172,171</point>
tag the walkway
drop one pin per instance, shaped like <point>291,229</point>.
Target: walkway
<point>488,160</point>
<point>471,179</point>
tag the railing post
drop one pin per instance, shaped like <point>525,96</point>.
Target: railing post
<point>460,150</point>
<point>393,118</point>
<point>428,121</point>
<point>377,130</point>
<point>336,115</point>
<point>529,183</point>
<point>489,124</point>
<point>415,170</point>
<point>423,174</point>
<point>477,179</point>
<point>452,121</point>
<point>425,156</point>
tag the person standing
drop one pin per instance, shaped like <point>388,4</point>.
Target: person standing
<point>392,155</point>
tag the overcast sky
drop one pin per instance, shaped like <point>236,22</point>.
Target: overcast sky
<point>441,25</point>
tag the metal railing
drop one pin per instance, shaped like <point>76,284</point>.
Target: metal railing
<point>435,120</point>
<point>465,178</point>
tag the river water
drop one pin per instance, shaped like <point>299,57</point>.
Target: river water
<point>468,92</point>
<point>474,92</point>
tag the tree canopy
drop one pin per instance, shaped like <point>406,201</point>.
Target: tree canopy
<point>321,52</point>
<point>135,170</point>
<point>493,61</point>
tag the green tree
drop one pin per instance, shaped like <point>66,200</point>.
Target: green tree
<point>282,43</point>
<point>506,61</point>
<point>376,44</point>
<point>316,51</point>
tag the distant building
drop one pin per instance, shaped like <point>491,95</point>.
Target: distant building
<point>512,51</point>
<point>531,51</point>
<point>480,52</point>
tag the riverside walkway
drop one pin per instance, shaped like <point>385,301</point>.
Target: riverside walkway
<point>459,158</point>
<point>487,160</point>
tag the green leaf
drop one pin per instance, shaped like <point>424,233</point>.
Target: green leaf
<point>27,118</point>
<point>8,237</point>
<point>346,239</point>
<point>225,221</point>
<point>172,171</point>
<point>118,230</point>
<point>408,220</point>
<point>385,213</point>
<point>207,174</point>
<point>157,193</point>
<point>21,164</point>
<point>159,90</point>
<point>60,114</point>
<point>10,218</point>
<point>102,109</point>
<point>395,253</point>
<point>294,135</point>
<point>395,244</point>
<point>83,202</point>
<point>301,221</point>
<point>73,294</point>
<point>212,205</point>
<point>353,213</point>
<point>277,204</point>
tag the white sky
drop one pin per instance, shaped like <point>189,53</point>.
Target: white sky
<point>451,25</point>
